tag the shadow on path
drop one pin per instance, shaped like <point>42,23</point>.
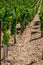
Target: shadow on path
<point>8,62</point>
<point>34,32</point>
<point>31,63</point>
<point>36,23</point>
<point>35,39</point>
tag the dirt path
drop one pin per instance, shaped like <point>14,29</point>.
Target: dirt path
<point>28,50</point>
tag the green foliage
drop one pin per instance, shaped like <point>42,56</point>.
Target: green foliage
<point>41,25</point>
<point>41,16</point>
<point>15,9</point>
<point>2,13</point>
<point>13,27</point>
<point>6,38</point>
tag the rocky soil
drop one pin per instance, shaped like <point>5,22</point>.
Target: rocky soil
<point>29,47</point>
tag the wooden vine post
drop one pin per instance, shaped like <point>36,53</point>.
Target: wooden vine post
<point>0,42</point>
<point>5,42</point>
<point>41,33</point>
<point>41,18</point>
<point>41,28</point>
<point>15,38</point>
<point>5,55</point>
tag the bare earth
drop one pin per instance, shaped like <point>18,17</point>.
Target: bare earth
<point>29,48</point>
